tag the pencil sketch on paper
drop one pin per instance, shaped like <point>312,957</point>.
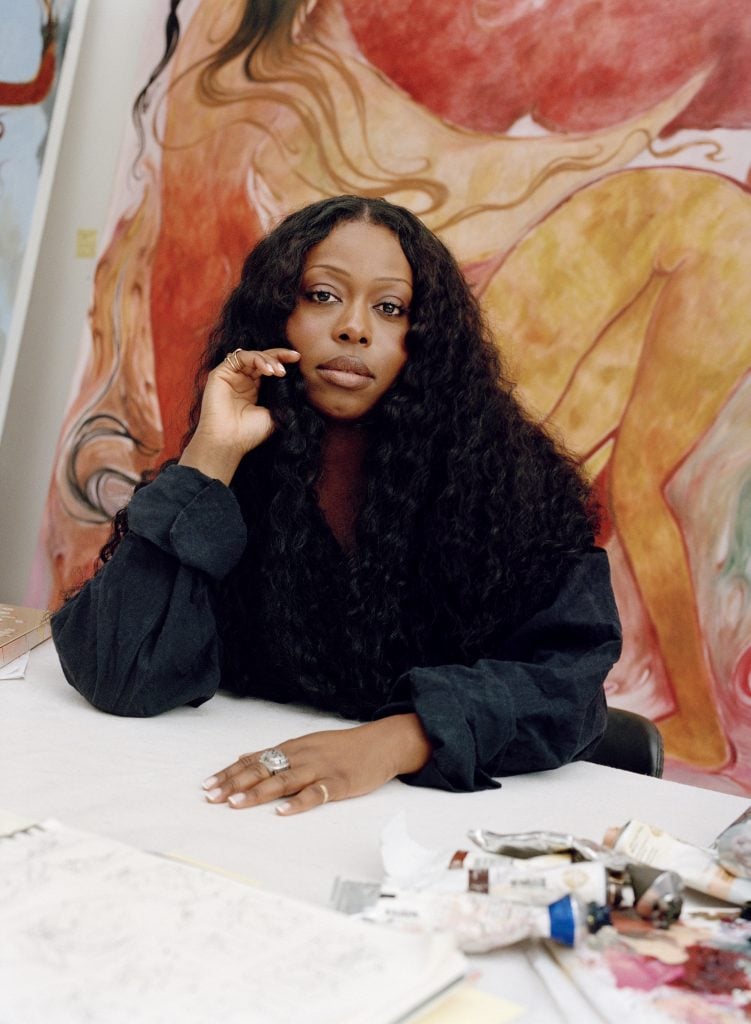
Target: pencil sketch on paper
<point>95,930</point>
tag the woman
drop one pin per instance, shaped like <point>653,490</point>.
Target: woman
<point>362,519</point>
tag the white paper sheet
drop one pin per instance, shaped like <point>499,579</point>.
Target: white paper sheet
<point>15,669</point>
<point>95,930</point>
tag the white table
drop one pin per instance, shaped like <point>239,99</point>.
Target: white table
<point>139,781</point>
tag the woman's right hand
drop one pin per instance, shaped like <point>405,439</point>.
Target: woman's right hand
<point>231,421</point>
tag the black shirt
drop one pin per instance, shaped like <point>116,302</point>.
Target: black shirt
<point>141,638</point>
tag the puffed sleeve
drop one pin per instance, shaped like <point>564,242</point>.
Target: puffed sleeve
<point>140,637</point>
<point>538,704</point>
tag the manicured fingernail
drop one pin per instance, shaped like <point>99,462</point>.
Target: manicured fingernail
<point>210,782</point>
<point>214,794</point>
<point>237,799</point>
<point>283,808</point>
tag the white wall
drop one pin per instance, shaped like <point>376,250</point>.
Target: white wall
<point>107,79</point>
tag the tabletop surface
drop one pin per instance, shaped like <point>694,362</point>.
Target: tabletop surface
<point>139,781</point>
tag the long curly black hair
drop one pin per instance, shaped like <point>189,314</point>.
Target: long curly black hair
<point>470,515</point>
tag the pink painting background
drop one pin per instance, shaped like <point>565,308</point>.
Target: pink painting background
<point>588,163</point>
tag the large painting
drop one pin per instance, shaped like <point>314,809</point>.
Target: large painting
<point>587,163</point>
<point>40,42</point>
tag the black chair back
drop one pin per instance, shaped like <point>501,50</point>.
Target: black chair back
<point>631,742</point>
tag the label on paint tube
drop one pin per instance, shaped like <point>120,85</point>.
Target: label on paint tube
<point>538,881</point>
<point>697,867</point>
<point>525,882</point>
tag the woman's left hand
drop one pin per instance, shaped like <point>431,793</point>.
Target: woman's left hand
<point>323,766</point>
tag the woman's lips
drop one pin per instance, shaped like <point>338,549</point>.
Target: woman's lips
<point>346,372</point>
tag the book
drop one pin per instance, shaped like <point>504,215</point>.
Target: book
<point>20,630</point>
<point>95,930</point>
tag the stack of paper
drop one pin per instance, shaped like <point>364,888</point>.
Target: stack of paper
<point>94,930</point>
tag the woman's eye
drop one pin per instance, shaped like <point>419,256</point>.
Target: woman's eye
<point>320,296</point>
<point>391,308</point>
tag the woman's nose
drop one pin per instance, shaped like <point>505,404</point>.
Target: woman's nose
<point>353,327</point>
<point>350,335</point>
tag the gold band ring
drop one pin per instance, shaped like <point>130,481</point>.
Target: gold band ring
<point>324,791</point>
<point>233,361</point>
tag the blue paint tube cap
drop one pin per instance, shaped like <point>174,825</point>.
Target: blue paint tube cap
<point>564,920</point>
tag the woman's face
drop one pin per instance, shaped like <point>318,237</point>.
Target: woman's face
<point>351,319</point>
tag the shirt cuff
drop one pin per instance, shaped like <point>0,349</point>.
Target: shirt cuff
<point>191,516</point>
<point>429,694</point>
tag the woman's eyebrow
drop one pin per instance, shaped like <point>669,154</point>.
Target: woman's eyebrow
<point>345,273</point>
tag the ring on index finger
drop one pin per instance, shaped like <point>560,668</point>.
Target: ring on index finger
<point>274,761</point>
<point>233,361</point>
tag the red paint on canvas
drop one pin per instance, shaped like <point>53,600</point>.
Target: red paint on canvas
<point>574,65</point>
<point>715,971</point>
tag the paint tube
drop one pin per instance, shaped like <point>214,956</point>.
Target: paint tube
<point>529,844</point>
<point>526,882</point>
<point>698,868</point>
<point>733,846</point>
<point>480,923</point>
<point>539,881</point>
<point>471,859</point>
<point>657,894</point>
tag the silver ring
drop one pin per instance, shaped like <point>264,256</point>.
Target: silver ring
<point>324,791</point>
<point>232,360</point>
<point>274,761</point>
